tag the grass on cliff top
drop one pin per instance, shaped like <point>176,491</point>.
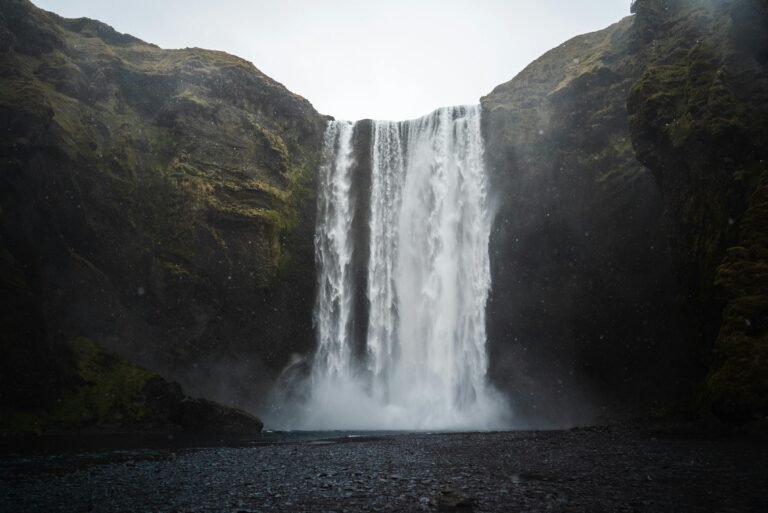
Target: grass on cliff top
<point>557,68</point>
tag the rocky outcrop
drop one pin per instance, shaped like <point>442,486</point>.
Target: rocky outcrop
<point>579,310</point>
<point>159,202</point>
<point>102,390</point>
<point>699,121</point>
<point>628,252</point>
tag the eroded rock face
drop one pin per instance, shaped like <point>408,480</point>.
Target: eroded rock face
<point>629,247</point>
<point>699,121</point>
<point>160,202</point>
<point>579,312</point>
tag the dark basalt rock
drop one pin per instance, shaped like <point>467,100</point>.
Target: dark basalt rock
<point>699,121</point>
<point>579,313</point>
<point>448,500</point>
<point>158,202</point>
<point>630,236</point>
<point>203,416</point>
<point>104,391</point>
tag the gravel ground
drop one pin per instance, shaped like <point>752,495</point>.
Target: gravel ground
<point>586,470</point>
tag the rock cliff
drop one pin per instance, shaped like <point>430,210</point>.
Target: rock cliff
<point>699,122</point>
<point>580,268</point>
<point>158,202</point>
<point>628,249</point>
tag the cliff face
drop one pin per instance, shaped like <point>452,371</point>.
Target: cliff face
<point>159,202</point>
<point>629,247</point>
<point>699,121</point>
<point>580,270</point>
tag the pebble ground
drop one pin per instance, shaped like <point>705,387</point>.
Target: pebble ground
<point>585,470</point>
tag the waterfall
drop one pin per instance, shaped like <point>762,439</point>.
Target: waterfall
<point>423,361</point>
<point>333,250</point>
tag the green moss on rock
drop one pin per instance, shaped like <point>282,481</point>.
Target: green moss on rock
<point>106,391</point>
<point>699,121</point>
<point>111,390</point>
<point>174,185</point>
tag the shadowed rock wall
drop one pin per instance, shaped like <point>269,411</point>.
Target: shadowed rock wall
<point>159,202</point>
<point>699,121</point>
<point>579,315</point>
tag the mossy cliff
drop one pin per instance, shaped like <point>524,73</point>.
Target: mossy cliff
<point>699,121</point>
<point>577,317</point>
<point>158,202</point>
<point>628,252</point>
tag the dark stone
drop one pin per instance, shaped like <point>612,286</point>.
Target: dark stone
<point>699,121</point>
<point>450,501</point>
<point>579,313</point>
<point>203,416</point>
<point>162,398</point>
<point>175,187</point>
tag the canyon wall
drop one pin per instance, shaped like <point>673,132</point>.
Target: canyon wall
<point>161,204</point>
<point>158,202</point>
<point>579,311</point>
<point>627,253</point>
<point>699,122</point>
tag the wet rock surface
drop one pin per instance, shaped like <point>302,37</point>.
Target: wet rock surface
<point>597,469</point>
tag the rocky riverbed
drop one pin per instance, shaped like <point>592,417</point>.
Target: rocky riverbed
<point>586,470</point>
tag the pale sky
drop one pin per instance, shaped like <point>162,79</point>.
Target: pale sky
<point>395,59</point>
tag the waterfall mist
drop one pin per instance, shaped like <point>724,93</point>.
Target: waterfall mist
<point>416,357</point>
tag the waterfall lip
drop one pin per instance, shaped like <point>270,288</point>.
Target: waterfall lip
<point>460,108</point>
<point>422,363</point>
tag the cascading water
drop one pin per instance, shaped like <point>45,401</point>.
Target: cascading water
<point>333,249</point>
<point>424,361</point>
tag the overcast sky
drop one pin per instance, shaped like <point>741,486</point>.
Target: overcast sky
<point>394,59</point>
